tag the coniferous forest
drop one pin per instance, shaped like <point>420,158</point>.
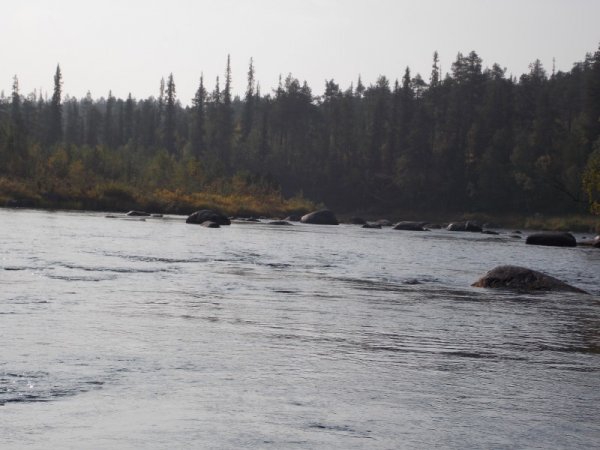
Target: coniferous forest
<point>471,140</point>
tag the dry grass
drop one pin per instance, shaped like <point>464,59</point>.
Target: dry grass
<point>115,196</point>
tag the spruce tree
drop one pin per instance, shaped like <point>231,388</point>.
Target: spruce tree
<point>197,127</point>
<point>108,121</point>
<point>55,113</point>
<point>128,119</point>
<point>169,134</point>
<point>435,71</point>
<point>17,137</point>
<point>226,121</point>
<point>248,103</point>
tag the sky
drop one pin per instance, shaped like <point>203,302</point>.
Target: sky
<point>127,46</point>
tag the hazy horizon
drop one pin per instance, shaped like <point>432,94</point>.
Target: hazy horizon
<point>128,48</point>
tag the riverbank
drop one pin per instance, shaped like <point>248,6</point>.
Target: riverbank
<point>251,201</point>
<point>118,197</point>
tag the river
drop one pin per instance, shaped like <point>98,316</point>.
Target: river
<point>156,334</point>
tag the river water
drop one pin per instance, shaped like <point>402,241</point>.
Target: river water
<point>157,334</point>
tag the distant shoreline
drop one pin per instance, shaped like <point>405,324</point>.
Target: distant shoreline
<point>568,222</point>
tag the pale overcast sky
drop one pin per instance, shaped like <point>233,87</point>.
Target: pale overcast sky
<point>128,45</point>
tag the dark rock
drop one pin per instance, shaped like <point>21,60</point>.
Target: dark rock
<point>138,214</point>
<point>516,232</point>
<point>279,222</point>
<point>515,236</point>
<point>357,221</point>
<point>207,215</point>
<point>158,216</point>
<point>247,219</point>
<point>410,226</point>
<point>210,224</point>
<point>384,222</point>
<point>371,225</point>
<point>521,278</point>
<point>433,226</point>
<point>490,232</point>
<point>322,217</point>
<point>293,218</point>
<point>555,239</point>
<point>590,242</point>
<point>464,226</point>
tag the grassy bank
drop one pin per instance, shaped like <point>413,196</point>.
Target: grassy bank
<point>241,199</point>
<point>112,196</point>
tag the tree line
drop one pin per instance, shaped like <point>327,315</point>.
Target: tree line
<point>473,139</point>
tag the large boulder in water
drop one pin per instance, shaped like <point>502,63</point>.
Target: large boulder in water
<point>322,217</point>
<point>464,226</point>
<point>555,239</point>
<point>410,226</point>
<point>208,215</point>
<point>521,278</point>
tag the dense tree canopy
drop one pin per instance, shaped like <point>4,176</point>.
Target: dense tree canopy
<point>472,140</point>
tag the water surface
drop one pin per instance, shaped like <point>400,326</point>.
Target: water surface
<point>157,334</point>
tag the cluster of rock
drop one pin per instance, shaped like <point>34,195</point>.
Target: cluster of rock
<point>505,277</point>
<point>212,219</point>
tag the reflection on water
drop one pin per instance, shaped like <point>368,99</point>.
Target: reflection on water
<point>158,334</point>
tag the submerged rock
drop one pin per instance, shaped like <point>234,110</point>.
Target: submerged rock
<point>138,214</point>
<point>384,222</point>
<point>464,226</point>
<point>554,239</point>
<point>371,225</point>
<point>322,217</point>
<point>410,226</point>
<point>210,224</point>
<point>492,232</point>
<point>279,222</point>
<point>590,242</point>
<point>521,278</point>
<point>208,215</point>
<point>293,218</point>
